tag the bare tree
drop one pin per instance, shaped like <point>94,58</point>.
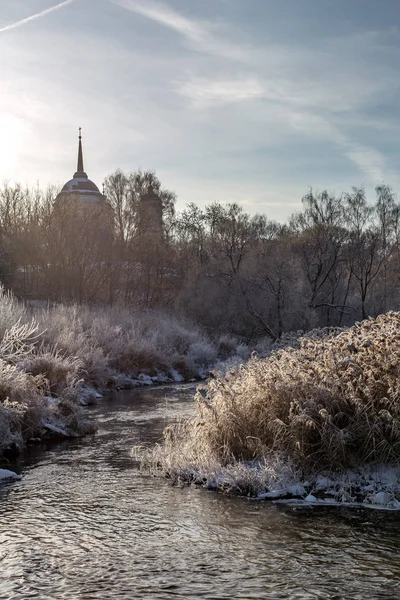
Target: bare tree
<point>124,192</point>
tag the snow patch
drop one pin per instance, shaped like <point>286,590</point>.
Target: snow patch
<point>52,401</point>
<point>271,495</point>
<point>88,396</point>
<point>6,475</point>
<point>176,377</point>
<point>53,428</point>
<point>310,498</point>
<point>297,490</point>
<point>145,379</point>
<point>367,487</point>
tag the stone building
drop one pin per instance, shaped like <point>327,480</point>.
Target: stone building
<point>150,215</point>
<point>80,249</point>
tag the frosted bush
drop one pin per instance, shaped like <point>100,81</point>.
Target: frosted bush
<point>331,403</point>
<point>11,311</point>
<point>64,333</point>
<point>202,353</point>
<point>66,347</point>
<point>227,345</point>
<point>60,372</point>
<point>10,432</point>
<point>243,352</point>
<point>16,384</point>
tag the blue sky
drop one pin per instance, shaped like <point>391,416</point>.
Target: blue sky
<point>251,101</point>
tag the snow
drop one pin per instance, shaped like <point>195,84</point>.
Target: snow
<point>382,498</point>
<point>88,395</point>
<point>296,490</point>
<point>161,378</point>
<point>273,494</point>
<point>52,401</point>
<point>145,379</point>
<point>6,475</point>
<point>55,429</point>
<point>177,377</point>
<point>310,498</point>
<point>126,382</point>
<point>370,486</point>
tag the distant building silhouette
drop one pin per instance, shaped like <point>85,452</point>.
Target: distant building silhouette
<point>80,187</point>
<point>150,214</point>
<point>83,195</point>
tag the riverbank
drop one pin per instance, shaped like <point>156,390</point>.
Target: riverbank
<point>54,360</point>
<point>276,480</point>
<point>328,410</point>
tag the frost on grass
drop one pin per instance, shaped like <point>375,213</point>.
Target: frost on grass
<point>330,405</point>
<point>113,342</point>
<point>52,360</point>
<point>29,378</point>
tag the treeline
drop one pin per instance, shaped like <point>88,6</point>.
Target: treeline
<point>333,263</point>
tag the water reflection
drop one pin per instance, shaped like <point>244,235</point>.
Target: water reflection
<point>84,523</point>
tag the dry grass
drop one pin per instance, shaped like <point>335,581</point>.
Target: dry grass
<point>331,403</point>
<point>28,373</point>
<point>59,372</point>
<point>65,347</point>
<point>114,340</point>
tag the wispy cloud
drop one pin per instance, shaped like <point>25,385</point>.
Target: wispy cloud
<point>308,106</point>
<point>166,16</point>
<point>200,35</point>
<point>206,92</point>
<point>296,102</point>
<point>36,15</point>
<point>370,161</point>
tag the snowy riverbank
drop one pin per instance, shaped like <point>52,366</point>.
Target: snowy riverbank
<point>305,424</point>
<point>57,360</point>
<point>278,481</point>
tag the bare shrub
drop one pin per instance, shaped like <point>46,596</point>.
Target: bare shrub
<point>65,333</point>
<point>227,345</point>
<point>242,351</point>
<point>115,339</point>
<point>202,353</point>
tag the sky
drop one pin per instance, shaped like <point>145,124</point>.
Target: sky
<point>248,101</point>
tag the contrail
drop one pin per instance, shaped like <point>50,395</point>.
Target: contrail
<point>36,16</point>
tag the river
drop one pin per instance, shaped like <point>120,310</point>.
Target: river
<point>85,524</point>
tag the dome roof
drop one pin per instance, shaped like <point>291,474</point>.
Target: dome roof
<point>80,186</point>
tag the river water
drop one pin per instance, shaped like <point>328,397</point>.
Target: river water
<point>85,523</point>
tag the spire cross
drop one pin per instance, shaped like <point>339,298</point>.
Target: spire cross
<point>79,169</point>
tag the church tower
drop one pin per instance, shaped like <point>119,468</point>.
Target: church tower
<point>150,214</point>
<point>80,187</point>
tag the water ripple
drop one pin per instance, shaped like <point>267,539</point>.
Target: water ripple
<point>85,524</point>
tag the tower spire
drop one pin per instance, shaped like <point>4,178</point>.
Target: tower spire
<point>80,172</point>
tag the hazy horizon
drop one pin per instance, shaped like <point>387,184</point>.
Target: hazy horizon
<point>226,100</point>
